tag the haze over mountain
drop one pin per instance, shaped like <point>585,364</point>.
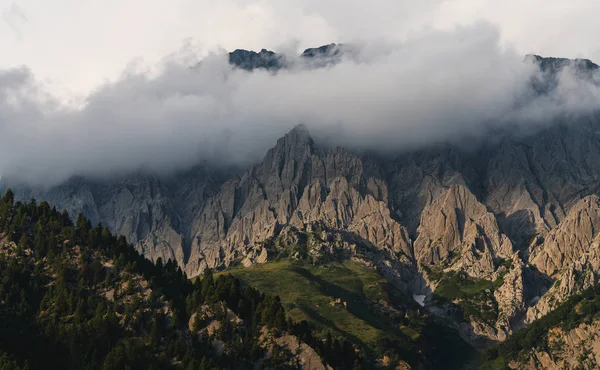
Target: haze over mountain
<point>512,216</point>
<point>71,51</point>
<point>391,178</point>
<point>433,88</point>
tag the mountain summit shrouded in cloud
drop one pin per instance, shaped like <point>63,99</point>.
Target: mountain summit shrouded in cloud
<point>391,176</point>
<point>434,87</point>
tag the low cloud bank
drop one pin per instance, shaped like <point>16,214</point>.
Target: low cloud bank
<point>434,87</point>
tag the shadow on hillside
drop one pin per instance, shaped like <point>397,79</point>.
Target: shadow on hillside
<point>357,305</point>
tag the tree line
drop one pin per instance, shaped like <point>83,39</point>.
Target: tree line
<point>55,311</point>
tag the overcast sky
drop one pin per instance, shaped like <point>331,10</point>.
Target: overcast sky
<point>97,87</point>
<point>74,45</point>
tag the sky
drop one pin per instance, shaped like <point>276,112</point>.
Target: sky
<point>103,87</point>
<point>75,45</point>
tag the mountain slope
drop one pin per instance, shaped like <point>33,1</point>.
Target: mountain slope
<point>77,297</point>
<point>567,338</point>
<point>500,225</point>
<point>74,296</point>
<point>352,300</point>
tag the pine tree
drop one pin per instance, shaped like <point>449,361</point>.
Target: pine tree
<point>23,242</point>
<point>39,240</point>
<point>155,331</point>
<point>207,285</point>
<point>65,219</point>
<point>9,198</point>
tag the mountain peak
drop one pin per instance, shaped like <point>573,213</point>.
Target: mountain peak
<point>295,144</point>
<point>298,140</point>
<point>270,60</point>
<point>551,68</point>
<point>300,129</point>
<point>250,60</point>
<point>552,64</point>
<point>322,51</point>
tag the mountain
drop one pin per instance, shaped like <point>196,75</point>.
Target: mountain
<point>269,60</point>
<point>148,210</point>
<point>487,239</point>
<point>551,68</point>
<point>555,65</point>
<point>75,296</point>
<point>250,60</point>
<point>566,338</point>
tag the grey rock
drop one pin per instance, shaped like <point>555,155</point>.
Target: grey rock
<point>529,200</point>
<point>457,229</point>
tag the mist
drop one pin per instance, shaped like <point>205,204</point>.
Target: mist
<point>435,86</point>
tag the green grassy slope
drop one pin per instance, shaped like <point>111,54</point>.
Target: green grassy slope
<point>309,293</point>
<point>375,316</point>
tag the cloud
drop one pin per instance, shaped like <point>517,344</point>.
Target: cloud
<point>76,31</point>
<point>390,96</point>
<point>68,45</point>
<point>15,17</point>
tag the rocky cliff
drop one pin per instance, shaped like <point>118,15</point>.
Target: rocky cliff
<point>578,348</point>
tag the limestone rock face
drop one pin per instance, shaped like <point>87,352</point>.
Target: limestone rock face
<point>521,212</point>
<point>567,243</point>
<point>513,191</point>
<point>510,297</point>
<point>296,184</point>
<point>152,212</point>
<point>417,179</point>
<point>532,183</point>
<point>344,208</point>
<point>578,348</point>
<point>569,256</point>
<point>457,228</point>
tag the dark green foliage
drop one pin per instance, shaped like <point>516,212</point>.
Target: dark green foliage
<point>474,298</point>
<point>129,354</point>
<point>398,330</point>
<point>54,312</point>
<point>51,313</point>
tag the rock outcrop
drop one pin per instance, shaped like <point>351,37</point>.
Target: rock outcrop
<point>510,297</point>
<point>569,255</point>
<point>302,356</point>
<point>578,348</point>
<point>457,229</point>
<point>567,243</point>
<point>296,184</point>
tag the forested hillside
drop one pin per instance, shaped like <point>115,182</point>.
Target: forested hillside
<point>75,296</point>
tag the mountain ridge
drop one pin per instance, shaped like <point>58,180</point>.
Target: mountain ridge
<point>429,220</point>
